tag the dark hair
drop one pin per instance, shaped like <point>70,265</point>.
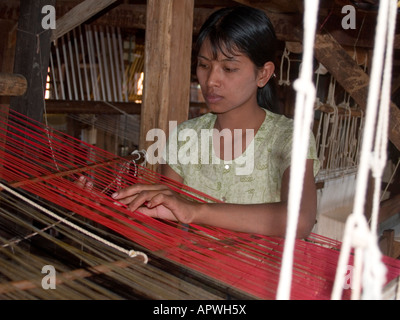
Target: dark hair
<point>249,31</point>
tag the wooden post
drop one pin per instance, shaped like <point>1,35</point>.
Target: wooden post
<point>168,46</point>
<point>8,34</point>
<point>32,54</point>
<point>32,58</point>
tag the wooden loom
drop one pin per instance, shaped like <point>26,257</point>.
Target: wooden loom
<point>39,165</point>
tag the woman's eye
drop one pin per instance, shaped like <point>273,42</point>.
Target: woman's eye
<point>202,65</point>
<point>227,69</point>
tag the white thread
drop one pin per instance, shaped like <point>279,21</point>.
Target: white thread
<point>139,154</point>
<point>285,56</point>
<point>125,167</point>
<point>368,257</point>
<point>130,253</point>
<point>391,179</point>
<point>304,109</point>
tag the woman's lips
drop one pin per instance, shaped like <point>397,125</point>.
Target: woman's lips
<point>213,98</point>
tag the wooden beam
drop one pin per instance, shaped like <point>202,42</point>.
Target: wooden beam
<point>12,84</point>
<point>78,15</point>
<point>342,66</point>
<point>91,107</point>
<point>167,66</point>
<point>124,16</point>
<point>352,78</point>
<point>341,111</point>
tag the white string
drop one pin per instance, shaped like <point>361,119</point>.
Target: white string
<point>130,253</point>
<point>285,56</point>
<point>370,270</point>
<point>390,180</point>
<point>305,99</point>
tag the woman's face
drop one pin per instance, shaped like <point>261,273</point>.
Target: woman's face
<point>227,82</point>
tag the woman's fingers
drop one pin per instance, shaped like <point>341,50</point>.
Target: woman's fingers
<point>158,212</point>
<point>147,198</point>
<point>173,207</point>
<point>157,201</point>
<point>136,189</point>
<point>138,194</point>
<point>163,206</point>
<point>84,183</point>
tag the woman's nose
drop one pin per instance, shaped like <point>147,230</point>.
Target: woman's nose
<point>213,78</point>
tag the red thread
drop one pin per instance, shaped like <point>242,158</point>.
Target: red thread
<point>47,163</point>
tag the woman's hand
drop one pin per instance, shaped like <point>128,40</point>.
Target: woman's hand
<point>157,201</point>
<point>84,183</point>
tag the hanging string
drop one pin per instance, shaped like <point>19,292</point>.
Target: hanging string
<point>369,275</point>
<point>285,57</point>
<point>391,179</point>
<point>302,123</point>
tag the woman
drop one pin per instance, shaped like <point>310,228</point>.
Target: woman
<point>235,53</point>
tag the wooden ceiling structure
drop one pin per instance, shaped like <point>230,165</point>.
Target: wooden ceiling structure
<point>170,26</point>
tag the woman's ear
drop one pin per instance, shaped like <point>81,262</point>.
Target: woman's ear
<point>265,73</point>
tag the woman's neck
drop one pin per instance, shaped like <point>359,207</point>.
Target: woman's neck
<point>240,139</point>
<point>240,119</point>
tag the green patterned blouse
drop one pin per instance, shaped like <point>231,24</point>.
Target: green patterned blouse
<point>254,177</point>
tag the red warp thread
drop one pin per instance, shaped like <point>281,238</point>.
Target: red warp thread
<point>46,163</point>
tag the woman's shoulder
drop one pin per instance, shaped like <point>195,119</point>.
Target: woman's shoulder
<point>278,122</point>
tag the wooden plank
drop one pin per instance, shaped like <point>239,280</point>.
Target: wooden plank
<point>167,66</point>
<point>12,84</point>
<point>78,15</point>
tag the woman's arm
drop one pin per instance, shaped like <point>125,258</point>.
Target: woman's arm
<point>168,172</point>
<point>269,219</point>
